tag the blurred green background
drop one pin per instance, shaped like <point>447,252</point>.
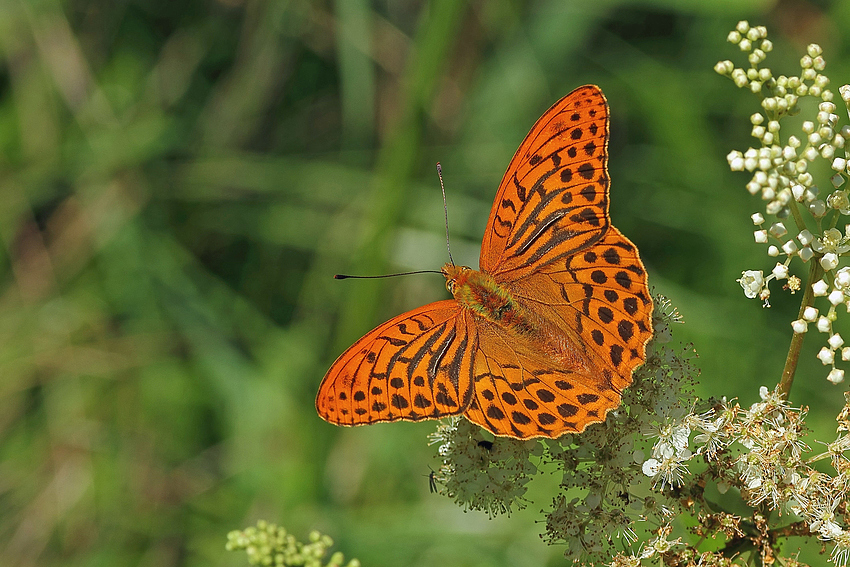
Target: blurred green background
<point>180,180</point>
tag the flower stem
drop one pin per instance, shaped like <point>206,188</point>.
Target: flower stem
<point>815,271</point>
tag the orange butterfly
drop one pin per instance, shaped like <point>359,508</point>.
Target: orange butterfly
<point>543,339</point>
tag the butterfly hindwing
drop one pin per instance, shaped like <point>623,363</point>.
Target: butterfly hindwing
<point>415,366</point>
<point>520,393</point>
<point>598,297</point>
<point>553,199</point>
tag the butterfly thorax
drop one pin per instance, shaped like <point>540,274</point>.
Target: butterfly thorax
<point>486,298</point>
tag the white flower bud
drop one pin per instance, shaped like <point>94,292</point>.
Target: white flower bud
<point>836,297</point>
<point>758,218</point>
<point>820,288</point>
<point>789,247</point>
<point>799,326</point>
<point>835,341</point>
<point>724,67</point>
<point>826,356</point>
<point>780,272</point>
<point>778,230</point>
<point>823,324</point>
<point>810,313</point>
<point>735,160</point>
<point>836,376</point>
<point>829,261</point>
<point>805,254</point>
<point>827,151</point>
<point>845,353</point>
<point>772,251</point>
<point>761,236</point>
<point>811,153</point>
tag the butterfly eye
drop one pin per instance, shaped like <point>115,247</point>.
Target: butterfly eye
<point>450,285</point>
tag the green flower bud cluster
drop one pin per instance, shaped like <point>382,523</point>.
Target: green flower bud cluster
<point>270,544</point>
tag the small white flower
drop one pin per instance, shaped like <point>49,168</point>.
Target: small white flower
<point>845,353</point>
<point>823,324</point>
<point>805,237</point>
<point>842,277</point>
<point>651,467</point>
<point>760,236</point>
<point>820,288</point>
<point>810,313</point>
<point>836,297</point>
<point>832,239</point>
<point>799,326</point>
<point>835,341</point>
<point>789,247</point>
<point>826,356</point>
<point>752,281</point>
<point>758,218</point>
<point>806,254</point>
<point>772,251</point>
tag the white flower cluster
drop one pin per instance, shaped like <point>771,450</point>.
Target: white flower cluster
<point>837,293</point>
<point>805,220</point>
<point>479,474</point>
<point>769,468</point>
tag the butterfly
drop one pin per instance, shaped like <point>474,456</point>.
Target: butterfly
<point>543,339</point>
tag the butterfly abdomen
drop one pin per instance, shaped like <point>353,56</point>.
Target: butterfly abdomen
<point>481,294</point>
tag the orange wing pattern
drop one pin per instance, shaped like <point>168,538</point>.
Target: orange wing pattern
<point>519,393</point>
<point>543,340</point>
<point>413,367</point>
<point>598,304</point>
<point>602,295</point>
<point>553,199</point>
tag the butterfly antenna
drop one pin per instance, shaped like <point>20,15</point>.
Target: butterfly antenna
<point>346,277</point>
<point>446,210</point>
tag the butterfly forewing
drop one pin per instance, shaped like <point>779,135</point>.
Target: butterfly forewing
<point>415,366</point>
<point>553,199</point>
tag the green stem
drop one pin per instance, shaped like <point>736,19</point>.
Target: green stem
<point>815,272</point>
<point>798,216</point>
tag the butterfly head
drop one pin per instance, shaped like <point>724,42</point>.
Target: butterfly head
<point>456,276</point>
